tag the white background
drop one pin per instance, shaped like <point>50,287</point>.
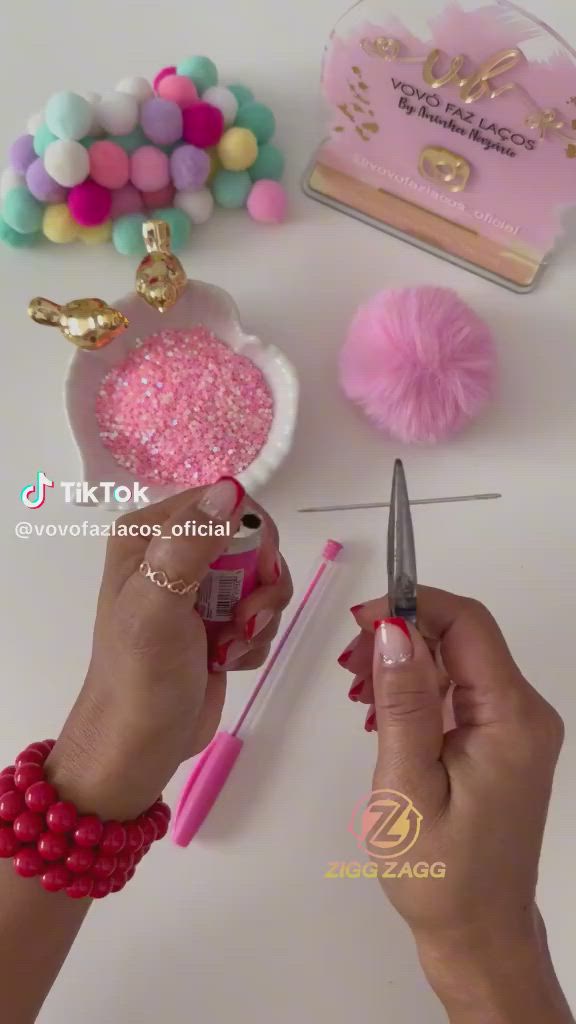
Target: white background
<point>242,926</point>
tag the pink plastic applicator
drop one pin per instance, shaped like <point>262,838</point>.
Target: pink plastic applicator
<point>213,767</point>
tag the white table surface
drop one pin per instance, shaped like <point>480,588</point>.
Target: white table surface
<point>243,926</point>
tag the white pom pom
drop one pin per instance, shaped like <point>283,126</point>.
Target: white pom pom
<point>137,87</point>
<point>198,205</point>
<point>117,112</point>
<point>33,123</point>
<point>219,96</point>
<point>9,180</point>
<point>67,162</point>
<point>93,99</point>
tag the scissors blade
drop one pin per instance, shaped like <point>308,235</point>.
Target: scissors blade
<point>402,573</point>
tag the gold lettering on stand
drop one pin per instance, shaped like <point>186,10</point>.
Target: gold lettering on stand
<point>477,85</point>
<point>439,81</point>
<point>445,168</point>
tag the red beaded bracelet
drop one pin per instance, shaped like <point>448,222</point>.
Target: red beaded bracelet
<point>79,854</point>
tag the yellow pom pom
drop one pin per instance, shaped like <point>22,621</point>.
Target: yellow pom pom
<point>58,225</point>
<point>238,149</point>
<point>97,235</point>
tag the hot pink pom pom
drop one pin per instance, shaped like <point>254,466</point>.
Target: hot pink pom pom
<point>89,203</point>
<point>203,125</point>
<point>419,362</point>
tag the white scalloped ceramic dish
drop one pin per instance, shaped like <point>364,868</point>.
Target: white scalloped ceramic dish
<point>201,304</point>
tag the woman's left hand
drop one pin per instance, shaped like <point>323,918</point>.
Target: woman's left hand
<point>155,688</point>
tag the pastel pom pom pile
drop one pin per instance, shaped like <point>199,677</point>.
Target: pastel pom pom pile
<point>91,167</point>
<point>419,362</point>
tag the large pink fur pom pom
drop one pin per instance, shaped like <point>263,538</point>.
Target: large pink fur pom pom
<point>419,362</point>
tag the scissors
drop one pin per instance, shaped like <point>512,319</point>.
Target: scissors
<point>402,574</point>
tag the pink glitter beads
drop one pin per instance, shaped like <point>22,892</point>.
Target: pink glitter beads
<point>184,408</point>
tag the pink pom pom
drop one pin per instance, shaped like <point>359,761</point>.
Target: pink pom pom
<point>179,89</point>
<point>109,164</point>
<point>160,199</point>
<point>89,204</point>
<point>125,201</point>
<point>419,362</point>
<point>149,169</point>
<point>163,74</point>
<point>203,125</point>
<point>268,202</point>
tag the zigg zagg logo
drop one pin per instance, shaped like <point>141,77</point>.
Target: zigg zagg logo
<point>387,826</point>
<point>33,495</point>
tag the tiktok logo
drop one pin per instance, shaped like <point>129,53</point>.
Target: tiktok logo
<point>34,495</point>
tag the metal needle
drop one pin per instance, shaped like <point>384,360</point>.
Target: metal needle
<point>417,501</point>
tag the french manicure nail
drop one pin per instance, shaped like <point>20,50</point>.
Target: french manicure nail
<point>257,624</point>
<point>356,691</point>
<point>222,499</point>
<point>393,642</point>
<point>227,654</point>
<point>371,724</point>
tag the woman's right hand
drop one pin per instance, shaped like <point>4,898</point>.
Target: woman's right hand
<point>483,791</point>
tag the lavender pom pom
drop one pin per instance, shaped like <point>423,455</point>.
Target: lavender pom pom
<point>22,153</point>
<point>42,186</point>
<point>190,168</point>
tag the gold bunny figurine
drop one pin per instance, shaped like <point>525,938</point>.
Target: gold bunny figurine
<point>88,323</point>
<point>160,278</point>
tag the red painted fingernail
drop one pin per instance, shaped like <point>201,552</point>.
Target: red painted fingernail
<point>393,621</point>
<point>356,691</point>
<point>222,652</point>
<point>257,623</point>
<point>371,721</point>
<point>346,654</point>
<point>356,608</point>
<point>277,568</point>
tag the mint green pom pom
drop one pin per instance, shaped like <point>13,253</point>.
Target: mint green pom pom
<point>201,70</point>
<point>127,235</point>
<point>269,164</point>
<point>15,238</point>
<point>258,119</point>
<point>231,188</point>
<point>42,139</point>
<point>179,223</point>
<point>22,211</point>
<point>68,115</point>
<point>242,93</point>
<point>132,141</point>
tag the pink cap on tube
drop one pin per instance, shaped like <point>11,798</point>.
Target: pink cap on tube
<point>332,549</point>
<point>204,786</point>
